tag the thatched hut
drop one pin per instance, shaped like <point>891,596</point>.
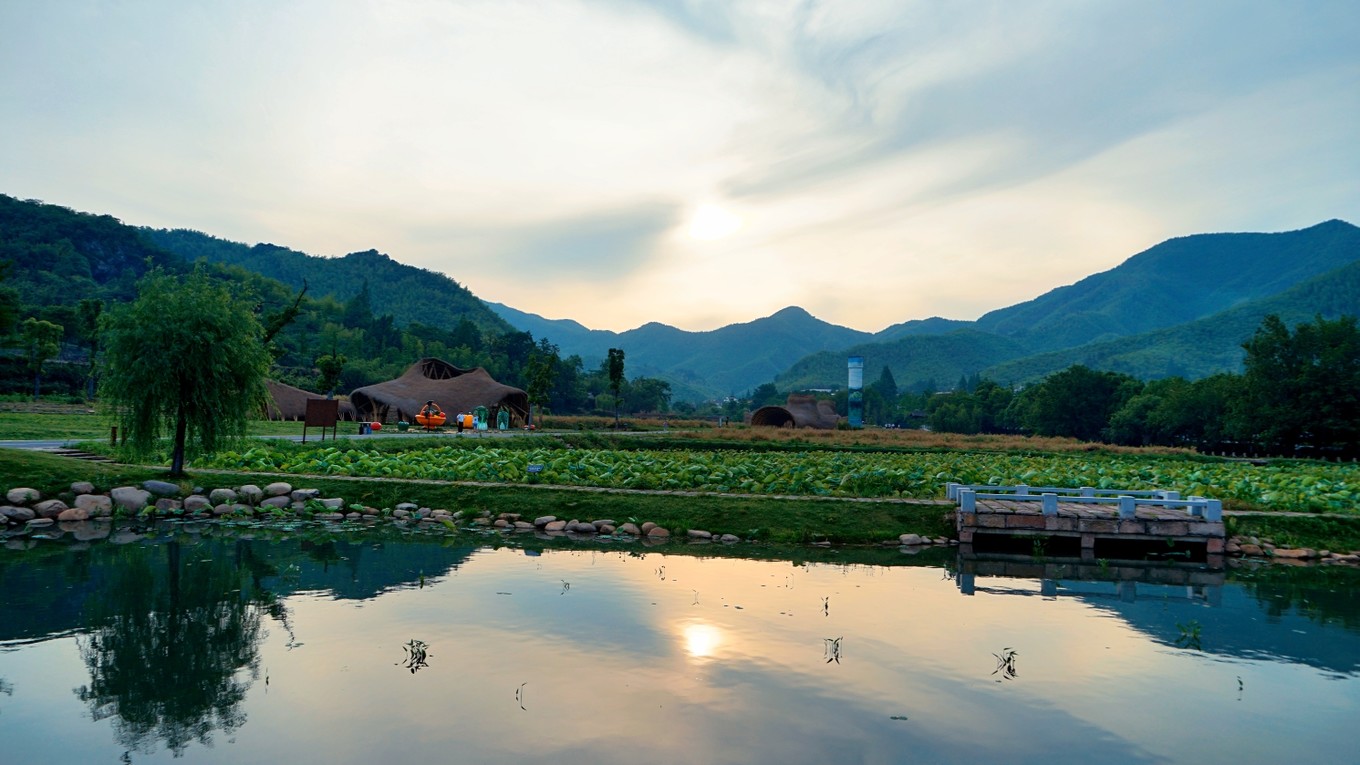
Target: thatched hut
<point>454,390</point>
<point>289,403</point>
<point>800,410</point>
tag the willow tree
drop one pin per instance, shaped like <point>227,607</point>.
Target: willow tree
<point>186,356</point>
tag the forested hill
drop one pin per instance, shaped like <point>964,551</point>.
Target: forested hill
<point>1177,281</point>
<point>59,256</point>
<point>1198,348</point>
<point>409,294</point>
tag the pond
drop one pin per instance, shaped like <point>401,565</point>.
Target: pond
<point>212,645</point>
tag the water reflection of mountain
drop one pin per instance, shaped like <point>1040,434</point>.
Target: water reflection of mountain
<point>1274,612</point>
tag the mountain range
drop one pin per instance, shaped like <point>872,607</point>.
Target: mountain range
<point>1182,307</point>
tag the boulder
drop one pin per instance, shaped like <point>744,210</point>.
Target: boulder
<point>647,528</point>
<point>82,487</point>
<point>407,506</point>
<point>279,489</point>
<point>18,514</point>
<point>605,522</point>
<point>656,532</point>
<point>333,503</point>
<point>699,534</point>
<point>222,496</point>
<point>161,488</point>
<point>605,528</point>
<point>523,526</point>
<point>22,496</point>
<point>630,529</point>
<point>581,527</point>
<point>74,514</point>
<point>279,501</point>
<point>195,502</point>
<point>910,539</point>
<point>251,493</point>
<point>131,498</point>
<point>168,504</point>
<point>1301,553</point>
<point>555,526</point>
<point>302,495</point>
<point>501,523</point>
<point>49,508</point>
<point>97,505</point>
<point>728,539</point>
<point>544,520</point>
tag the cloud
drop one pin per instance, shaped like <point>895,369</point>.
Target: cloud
<point>889,160</point>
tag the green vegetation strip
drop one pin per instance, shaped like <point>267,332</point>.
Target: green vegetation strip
<point>1291,486</point>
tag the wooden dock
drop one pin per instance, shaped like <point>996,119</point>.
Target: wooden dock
<point>1090,518</point>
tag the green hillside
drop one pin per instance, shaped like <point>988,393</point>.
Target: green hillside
<point>914,361</point>
<point>1199,348</point>
<point>407,293</point>
<point>1177,281</point>
<point>59,256</point>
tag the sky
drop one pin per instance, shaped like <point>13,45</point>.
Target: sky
<point>694,162</point>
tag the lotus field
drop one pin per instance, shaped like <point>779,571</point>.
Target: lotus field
<point>1297,486</point>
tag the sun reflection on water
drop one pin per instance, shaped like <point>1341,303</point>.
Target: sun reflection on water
<point>701,640</point>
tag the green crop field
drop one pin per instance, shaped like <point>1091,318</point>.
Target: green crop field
<point>1294,486</point>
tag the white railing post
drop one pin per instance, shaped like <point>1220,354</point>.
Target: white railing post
<point>1050,503</point>
<point>951,491</point>
<point>1088,491</point>
<point>1213,510</point>
<point>1022,490</point>
<point>1127,507</point>
<point>967,501</point>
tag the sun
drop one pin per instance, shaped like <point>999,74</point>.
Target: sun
<point>713,222</point>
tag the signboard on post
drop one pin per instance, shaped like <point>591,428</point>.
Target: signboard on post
<point>321,413</point>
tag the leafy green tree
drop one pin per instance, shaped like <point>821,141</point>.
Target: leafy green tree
<point>766,394</point>
<point>1076,402</point>
<point>541,373</point>
<point>88,312</point>
<point>41,341</point>
<point>648,394</point>
<point>185,352</point>
<point>615,362</point>
<point>980,411</point>
<point>886,385</point>
<point>1302,388</point>
<point>330,366</point>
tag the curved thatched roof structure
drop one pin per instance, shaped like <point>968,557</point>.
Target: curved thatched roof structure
<point>454,390</point>
<point>289,403</point>
<point>800,410</point>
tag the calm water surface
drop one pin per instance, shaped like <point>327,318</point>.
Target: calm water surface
<point>208,647</point>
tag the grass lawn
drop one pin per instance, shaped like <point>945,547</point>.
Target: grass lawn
<point>80,423</point>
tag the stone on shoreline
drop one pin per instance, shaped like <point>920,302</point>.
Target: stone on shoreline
<point>161,488</point>
<point>22,496</point>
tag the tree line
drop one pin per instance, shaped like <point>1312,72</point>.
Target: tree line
<point>1298,394</point>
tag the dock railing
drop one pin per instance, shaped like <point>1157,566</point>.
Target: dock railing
<point>1128,500</point>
